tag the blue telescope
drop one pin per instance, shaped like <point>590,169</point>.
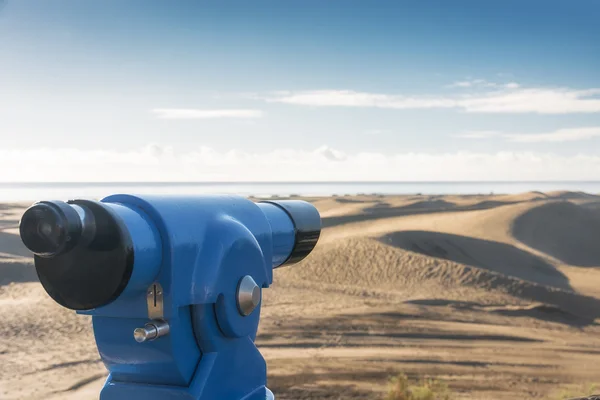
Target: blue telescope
<point>173,285</point>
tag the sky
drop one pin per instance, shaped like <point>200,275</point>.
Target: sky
<point>338,90</point>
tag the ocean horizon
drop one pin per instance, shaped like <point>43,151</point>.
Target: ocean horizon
<point>31,191</point>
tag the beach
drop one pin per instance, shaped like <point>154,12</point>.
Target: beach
<point>498,296</point>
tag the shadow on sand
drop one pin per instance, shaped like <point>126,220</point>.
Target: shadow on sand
<point>544,312</point>
<point>17,272</point>
<point>16,263</point>
<point>492,256</point>
<point>563,230</point>
<point>12,244</point>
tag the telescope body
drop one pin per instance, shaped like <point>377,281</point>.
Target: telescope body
<point>173,285</point>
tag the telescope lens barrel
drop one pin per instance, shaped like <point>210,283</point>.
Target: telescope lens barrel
<point>305,227</point>
<point>50,228</point>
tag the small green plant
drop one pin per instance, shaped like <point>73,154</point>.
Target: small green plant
<point>582,391</point>
<point>428,389</point>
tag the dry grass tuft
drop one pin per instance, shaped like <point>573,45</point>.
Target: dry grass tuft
<point>427,389</point>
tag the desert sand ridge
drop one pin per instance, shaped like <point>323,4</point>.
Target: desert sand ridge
<point>562,230</point>
<point>497,294</point>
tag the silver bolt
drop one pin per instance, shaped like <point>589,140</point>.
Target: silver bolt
<point>151,331</point>
<point>248,295</point>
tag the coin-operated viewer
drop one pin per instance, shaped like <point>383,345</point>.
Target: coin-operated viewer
<point>173,285</point>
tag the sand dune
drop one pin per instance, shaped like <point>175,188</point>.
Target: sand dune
<point>494,256</point>
<point>563,230</point>
<point>399,206</point>
<point>487,291</point>
<point>566,195</point>
<point>518,278</point>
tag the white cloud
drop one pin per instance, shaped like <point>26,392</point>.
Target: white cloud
<point>461,84</point>
<point>192,113</point>
<point>511,98</point>
<point>561,135</point>
<point>477,134</point>
<point>159,163</point>
<point>474,83</point>
<point>330,154</point>
<point>534,100</point>
<point>350,98</point>
<point>373,132</point>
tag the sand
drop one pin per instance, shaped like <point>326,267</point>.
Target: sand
<point>499,296</point>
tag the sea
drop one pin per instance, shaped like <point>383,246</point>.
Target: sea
<point>33,191</point>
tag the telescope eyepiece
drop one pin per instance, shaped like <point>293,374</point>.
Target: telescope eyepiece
<point>50,228</point>
<point>83,251</point>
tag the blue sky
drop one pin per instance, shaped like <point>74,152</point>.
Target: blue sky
<point>299,90</point>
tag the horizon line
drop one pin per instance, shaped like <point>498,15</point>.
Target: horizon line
<point>281,182</point>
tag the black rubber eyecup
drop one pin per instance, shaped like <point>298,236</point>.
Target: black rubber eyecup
<point>79,274</point>
<point>50,228</point>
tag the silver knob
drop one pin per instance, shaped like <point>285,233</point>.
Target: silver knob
<point>151,331</point>
<point>248,295</point>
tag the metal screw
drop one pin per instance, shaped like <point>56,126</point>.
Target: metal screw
<point>248,295</point>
